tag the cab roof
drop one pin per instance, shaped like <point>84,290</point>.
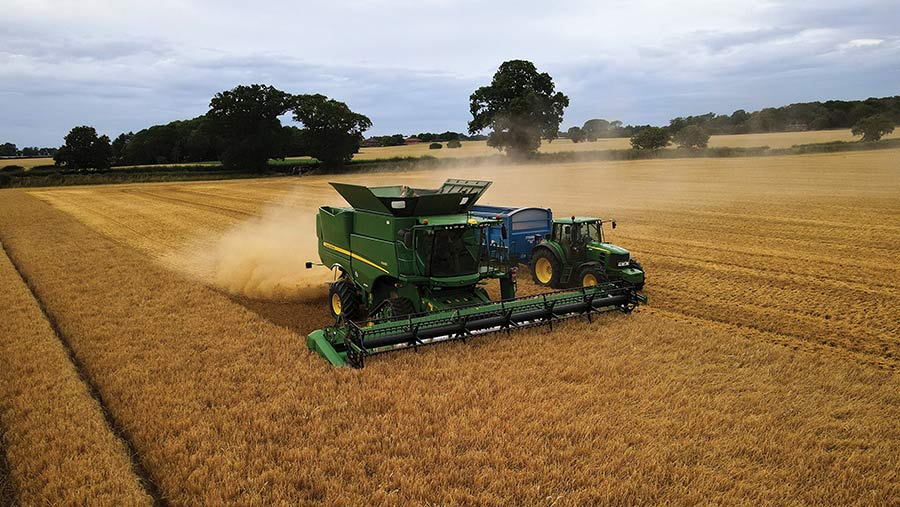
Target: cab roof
<point>576,220</point>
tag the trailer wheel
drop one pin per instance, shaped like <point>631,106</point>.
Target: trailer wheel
<point>591,275</point>
<point>344,300</point>
<point>545,268</point>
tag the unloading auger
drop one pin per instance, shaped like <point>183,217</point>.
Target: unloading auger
<point>410,265</point>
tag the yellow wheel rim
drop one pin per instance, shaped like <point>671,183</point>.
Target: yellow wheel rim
<point>588,280</point>
<point>543,269</point>
<point>336,304</point>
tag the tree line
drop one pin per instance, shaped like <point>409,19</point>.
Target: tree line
<point>871,118</point>
<point>427,137</point>
<point>11,150</point>
<point>519,109</point>
<point>242,129</point>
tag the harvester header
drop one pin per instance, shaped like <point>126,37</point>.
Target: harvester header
<point>410,266</point>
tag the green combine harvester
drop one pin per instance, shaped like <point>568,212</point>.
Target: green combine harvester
<point>410,267</point>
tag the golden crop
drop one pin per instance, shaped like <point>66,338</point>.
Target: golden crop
<point>763,371</point>
<point>60,449</point>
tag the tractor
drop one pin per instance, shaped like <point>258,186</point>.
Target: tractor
<point>567,252</point>
<point>410,267</point>
<point>576,246</point>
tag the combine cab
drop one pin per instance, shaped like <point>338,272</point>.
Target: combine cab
<point>409,267</point>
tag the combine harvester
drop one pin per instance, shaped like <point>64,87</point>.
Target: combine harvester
<point>410,265</point>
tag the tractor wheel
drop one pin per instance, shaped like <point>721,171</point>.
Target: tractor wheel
<point>591,275</point>
<point>344,300</point>
<point>545,268</point>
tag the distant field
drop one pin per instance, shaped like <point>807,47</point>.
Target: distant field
<point>25,162</point>
<point>764,370</point>
<point>480,148</point>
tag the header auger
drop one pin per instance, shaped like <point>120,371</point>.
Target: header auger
<point>410,265</point>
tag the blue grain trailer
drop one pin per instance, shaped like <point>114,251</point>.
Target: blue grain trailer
<point>525,228</point>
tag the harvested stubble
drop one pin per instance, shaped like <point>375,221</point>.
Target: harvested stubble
<point>658,407</point>
<point>7,490</point>
<point>58,445</point>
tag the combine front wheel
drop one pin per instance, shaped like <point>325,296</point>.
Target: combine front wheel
<point>394,307</point>
<point>344,300</point>
<point>401,306</point>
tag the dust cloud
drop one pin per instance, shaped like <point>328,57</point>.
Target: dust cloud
<point>261,258</point>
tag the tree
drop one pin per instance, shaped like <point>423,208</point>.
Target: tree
<point>874,127</point>
<point>246,120</point>
<point>650,138</point>
<point>84,149</point>
<point>692,136</point>
<point>8,150</point>
<point>332,132</point>
<point>595,128</point>
<point>766,120</point>
<point>454,143</point>
<point>739,116</point>
<point>118,147</point>
<point>861,111</point>
<point>435,146</point>
<point>520,106</point>
<point>576,134</point>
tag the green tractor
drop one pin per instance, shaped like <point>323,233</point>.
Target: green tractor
<point>576,253</point>
<point>410,267</point>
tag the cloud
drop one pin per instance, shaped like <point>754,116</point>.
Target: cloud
<point>410,66</point>
<point>862,43</point>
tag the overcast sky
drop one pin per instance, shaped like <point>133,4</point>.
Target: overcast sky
<point>411,65</point>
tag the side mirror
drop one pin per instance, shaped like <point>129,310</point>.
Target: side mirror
<point>614,224</point>
<point>503,232</point>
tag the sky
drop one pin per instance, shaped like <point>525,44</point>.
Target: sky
<point>410,66</point>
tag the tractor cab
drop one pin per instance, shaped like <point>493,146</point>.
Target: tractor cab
<point>575,234</point>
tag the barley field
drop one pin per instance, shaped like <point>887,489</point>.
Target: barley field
<point>27,163</point>
<point>480,148</point>
<point>764,370</point>
<point>60,446</point>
